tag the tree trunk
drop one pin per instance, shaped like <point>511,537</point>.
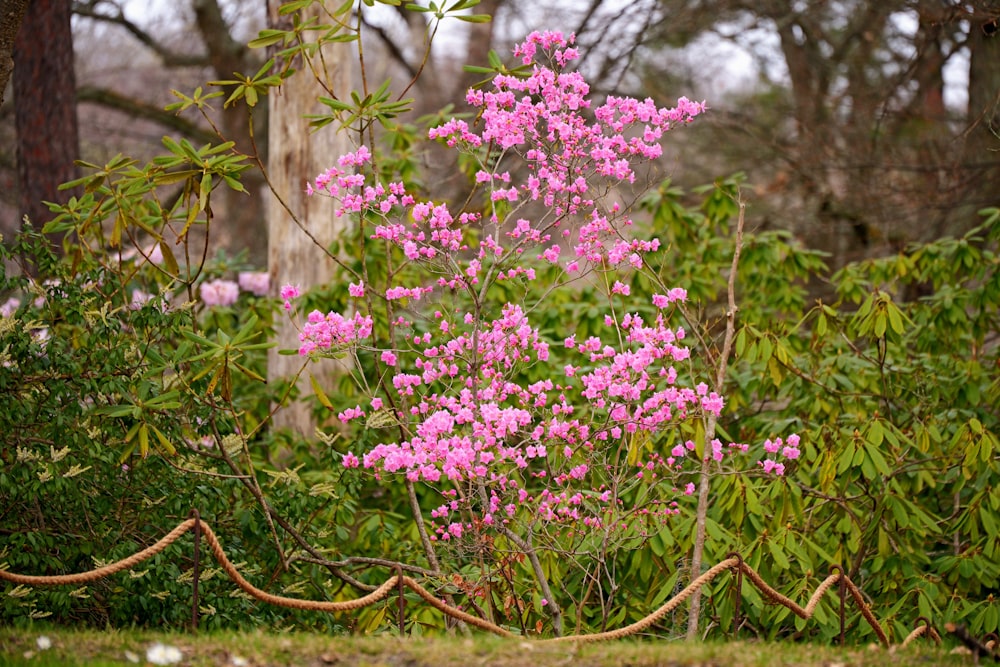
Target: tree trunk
<point>983,136</point>
<point>295,155</point>
<point>45,107</point>
<point>244,227</point>
<point>11,17</point>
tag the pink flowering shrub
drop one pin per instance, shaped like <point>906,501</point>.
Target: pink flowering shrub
<point>518,431</point>
<point>219,292</point>
<point>257,283</point>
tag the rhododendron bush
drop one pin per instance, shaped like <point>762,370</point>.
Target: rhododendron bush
<point>536,438</point>
<point>545,410</point>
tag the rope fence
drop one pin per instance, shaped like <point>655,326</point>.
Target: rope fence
<point>398,583</point>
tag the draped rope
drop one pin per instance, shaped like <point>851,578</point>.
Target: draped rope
<point>400,581</point>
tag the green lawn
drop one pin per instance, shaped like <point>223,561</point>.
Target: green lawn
<point>19,647</point>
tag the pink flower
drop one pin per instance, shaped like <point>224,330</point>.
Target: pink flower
<point>289,292</point>
<point>351,413</point>
<point>156,255</point>
<point>357,290</point>
<point>256,282</point>
<point>139,298</point>
<point>9,307</point>
<point>350,460</point>
<point>621,288</point>
<point>219,292</point>
<point>389,358</point>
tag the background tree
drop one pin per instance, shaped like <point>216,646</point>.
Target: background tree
<point>847,131</point>
<point>45,108</point>
<point>302,229</point>
<point>200,40</point>
<point>11,16</point>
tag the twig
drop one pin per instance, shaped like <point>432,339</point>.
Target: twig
<point>720,380</point>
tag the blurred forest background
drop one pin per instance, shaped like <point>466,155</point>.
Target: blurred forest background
<point>860,126</point>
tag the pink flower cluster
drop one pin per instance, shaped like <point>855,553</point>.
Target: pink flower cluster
<point>333,332</point>
<point>548,448</point>
<point>257,283</point>
<point>221,292</point>
<point>541,120</point>
<point>788,449</point>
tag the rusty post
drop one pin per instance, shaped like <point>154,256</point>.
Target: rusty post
<point>739,590</point>
<point>401,588</point>
<point>195,568</point>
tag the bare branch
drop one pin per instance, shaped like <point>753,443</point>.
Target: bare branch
<point>391,46</point>
<point>145,110</point>
<point>351,561</point>
<point>225,54</point>
<point>721,366</point>
<point>169,58</point>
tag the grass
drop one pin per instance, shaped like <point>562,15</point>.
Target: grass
<point>107,648</point>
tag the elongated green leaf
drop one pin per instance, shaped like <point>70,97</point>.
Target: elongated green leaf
<point>319,393</point>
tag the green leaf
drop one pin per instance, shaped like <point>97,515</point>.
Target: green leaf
<point>880,324</point>
<point>292,7</point>
<point>267,38</point>
<point>319,393</point>
<point>169,261</point>
<point>143,433</point>
<point>778,554</point>
<point>204,190</point>
<point>875,433</point>
<point>163,440</point>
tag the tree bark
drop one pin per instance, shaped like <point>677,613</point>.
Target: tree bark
<point>11,16</point>
<point>294,157</point>
<point>45,107</point>
<point>244,227</point>
<point>983,135</point>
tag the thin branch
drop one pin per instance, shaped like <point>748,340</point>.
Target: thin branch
<point>722,365</point>
<point>143,110</point>
<point>391,46</point>
<point>249,483</point>
<point>227,56</point>
<point>362,560</point>
<point>168,57</point>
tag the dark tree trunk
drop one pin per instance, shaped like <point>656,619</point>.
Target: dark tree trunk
<point>45,107</point>
<point>983,136</point>
<point>11,16</point>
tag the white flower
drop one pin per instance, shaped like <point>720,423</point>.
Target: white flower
<point>43,643</point>
<point>160,654</point>
<point>131,657</point>
<point>238,661</point>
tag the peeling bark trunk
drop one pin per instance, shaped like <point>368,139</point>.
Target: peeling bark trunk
<point>295,156</point>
